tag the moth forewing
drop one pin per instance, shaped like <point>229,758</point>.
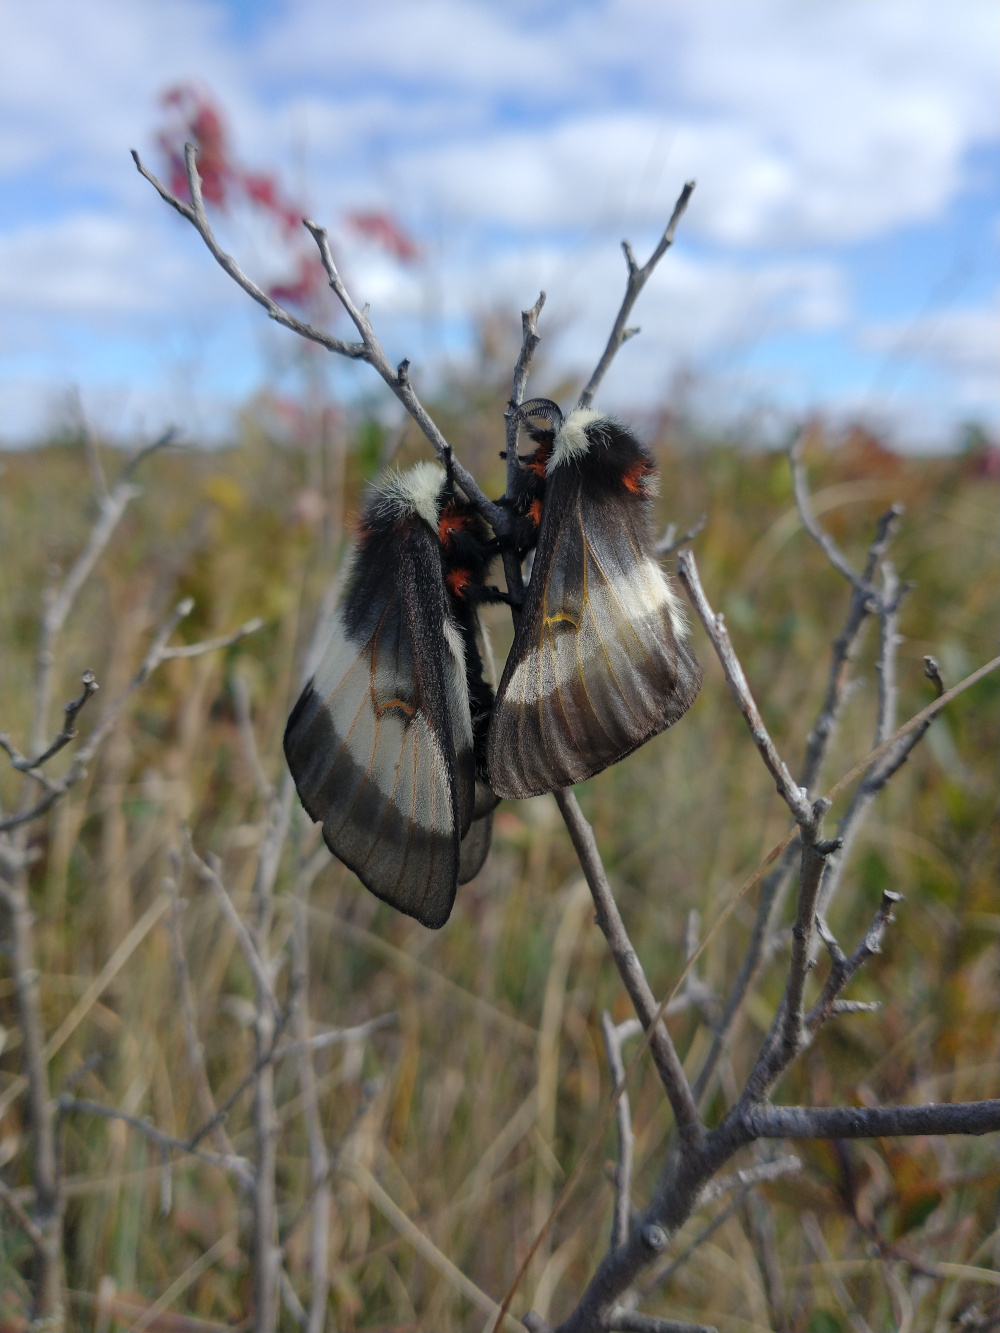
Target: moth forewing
<point>600,661</point>
<point>373,742</point>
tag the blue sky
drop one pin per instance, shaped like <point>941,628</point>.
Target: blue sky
<point>840,252</point>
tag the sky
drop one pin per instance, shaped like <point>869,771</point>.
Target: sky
<point>839,254</point>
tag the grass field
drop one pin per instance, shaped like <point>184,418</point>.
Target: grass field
<point>467,1111</point>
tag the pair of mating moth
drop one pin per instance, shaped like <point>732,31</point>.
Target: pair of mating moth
<point>398,744</point>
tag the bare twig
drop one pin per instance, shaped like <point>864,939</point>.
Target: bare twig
<point>209,874</point>
<point>530,338</point>
<point>670,542</point>
<point>241,695</point>
<point>158,653</point>
<point>750,1176</point>
<point>140,455</point>
<point>637,278</point>
<point>820,1248</point>
<point>626,960</point>
<point>237,1165</point>
<point>843,968</point>
<point>319,1157</point>
<point>10,1201</point>
<point>793,795</point>
<point>819,535</point>
<point>68,733</point>
<point>872,1122</point>
<point>193,1044</point>
<point>613,1039</point>
<point>368,349</point>
<point>630,1321</point>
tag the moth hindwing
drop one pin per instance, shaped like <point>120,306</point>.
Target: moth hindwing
<point>600,660</point>
<point>381,742</point>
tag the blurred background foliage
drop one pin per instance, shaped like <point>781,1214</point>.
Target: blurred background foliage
<point>473,1108</point>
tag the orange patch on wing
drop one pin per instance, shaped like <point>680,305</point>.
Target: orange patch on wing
<point>535,512</point>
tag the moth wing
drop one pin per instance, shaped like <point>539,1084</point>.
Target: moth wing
<point>600,661</point>
<point>475,845</point>
<point>373,760</point>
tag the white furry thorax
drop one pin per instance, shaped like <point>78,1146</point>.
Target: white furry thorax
<point>571,438</point>
<point>415,491</point>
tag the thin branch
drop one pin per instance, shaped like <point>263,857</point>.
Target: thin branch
<point>670,542</point>
<point>238,1165</point>
<point>319,1157</point>
<point>244,718</point>
<point>775,886</point>
<point>630,1321</point>
<point>637,278</point>
<point>368,349</point>
<point>10,1201</point>
<point>820,1248</point>
<point>140,455</point>
<point>68,733</point>
<point>843,968</point>
<point>398,381</point>
<point>845,648</point>
<point>196,215</point>
<point>158,653</point>
<point>613,1038</point>
<point>871,1122</point>
<point>626,960</point>
<point>793,795</point>
<point>530,338</point>
<point>61,601</point>
<point>209,874</point>
<point>750,1176</point>
<point>819,535</point>
<point>193,1044</point>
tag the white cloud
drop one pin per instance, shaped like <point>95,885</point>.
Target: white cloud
<point>522,141</point>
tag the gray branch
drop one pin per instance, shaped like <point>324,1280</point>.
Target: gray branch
<point>637,279</point>
<point>794,796</point>
<point>626,960</point>
<point>613,1038</point>
<point>872,1122</point>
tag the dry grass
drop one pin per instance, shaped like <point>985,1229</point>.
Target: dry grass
<point>468,1114</point>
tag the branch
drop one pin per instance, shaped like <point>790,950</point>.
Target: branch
<point>60,603</point>
<point>775,885</point>
<point>368,349</point>
<point>398,381</point>
<point>209,874</point>
<point>158,653</point>
<point>822,538</point>
<point>530,338</point>
<point>192,1042</point>
<point>10,1201</point>
<point>238,1165</point>
<point>793,795</point>
<point>628,1321</point>
<point>613,1039</point>
<point>843,968</point>
<point>871,1122</point>
<point>623,952</point>
<point>68,733</point>
<point>196,215</point>
<point>845,648</point>
<point>637,278</point>
<point>670,542</point>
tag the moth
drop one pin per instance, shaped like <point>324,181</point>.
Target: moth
<point>387,743</point>
<point>600,660</point>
